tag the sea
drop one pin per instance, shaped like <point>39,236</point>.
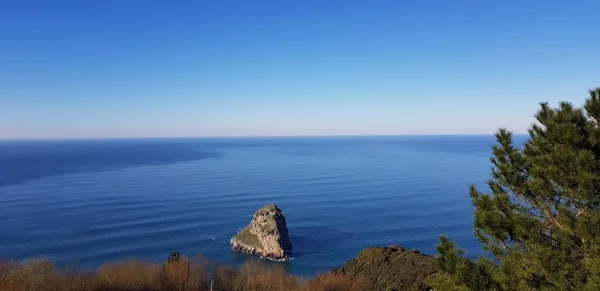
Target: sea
<point>88,202</point>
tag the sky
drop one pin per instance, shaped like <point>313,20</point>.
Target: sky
<point>133,68</point>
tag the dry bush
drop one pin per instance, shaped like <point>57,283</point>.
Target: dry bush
<point>198,274</point>
<point>252,276</point>
<point>179,274</point>
<point>5,270</point>
<point>41,275</point>
<point>72,279</point>
<point>32,275</point>
<point>131,275</point>
<point>334,282</point>
<point>175,274</point>
<point>75,282</point>
<point>222,278</point>
<point>258,277</point>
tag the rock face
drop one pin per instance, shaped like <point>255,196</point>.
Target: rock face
<point>391,268</point>
<point>266,235</point>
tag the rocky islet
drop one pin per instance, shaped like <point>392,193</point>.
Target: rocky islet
<point>265,236</point>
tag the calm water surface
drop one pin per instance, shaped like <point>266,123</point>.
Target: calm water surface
<point>93,201</point>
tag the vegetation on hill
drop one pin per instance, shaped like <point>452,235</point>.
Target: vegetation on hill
<point>541,222</point>
<point>386,268</point>
<point>391,268</point>
<point>176,274</point>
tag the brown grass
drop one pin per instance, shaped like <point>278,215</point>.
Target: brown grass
<point>253,277</point>
<point>41,275</point>
<point>131,275</point>
<point>337,282</point>
<point>177,274</point>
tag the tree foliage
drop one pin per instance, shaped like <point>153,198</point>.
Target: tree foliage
<point>540,223</point>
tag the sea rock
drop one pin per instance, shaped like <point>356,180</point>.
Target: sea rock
<point>266,235</point>
<point>391,268</point>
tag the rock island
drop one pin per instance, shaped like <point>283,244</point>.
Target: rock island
<point>265,236</point>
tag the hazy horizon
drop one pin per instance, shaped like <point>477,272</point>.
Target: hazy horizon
<point>252,136</point>
<point>130,69</point>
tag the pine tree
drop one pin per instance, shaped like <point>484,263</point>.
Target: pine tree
<point>540,223</point>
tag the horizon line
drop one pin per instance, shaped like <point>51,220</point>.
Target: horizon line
<point>247,136</point>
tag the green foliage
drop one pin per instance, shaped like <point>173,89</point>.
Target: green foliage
<point>174,257</point>
<point>247,238</point>
<point>458,273</point>
<point>540,222</point>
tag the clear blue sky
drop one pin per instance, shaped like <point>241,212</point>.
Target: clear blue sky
<point>133,68</point>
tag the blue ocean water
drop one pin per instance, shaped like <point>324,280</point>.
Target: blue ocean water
<point>93,201</point>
